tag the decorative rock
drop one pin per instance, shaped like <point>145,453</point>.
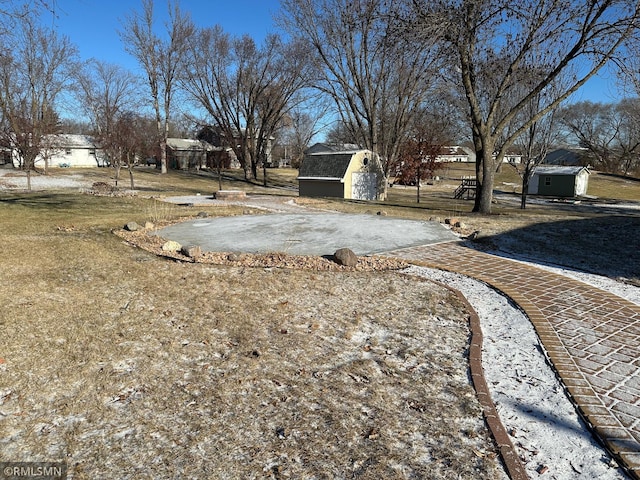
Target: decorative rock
<point>474,236</point>
<point>459,224</point>
<point>346,257</point>
<point>191,251</point>
<point>202,215</point>
<point>451,221</point>
<point>171,246</point>
<point>382,213</point>
<point>435,219</point>
<point>232,257</point>
<point>149,225</point>
<point>131,226</point>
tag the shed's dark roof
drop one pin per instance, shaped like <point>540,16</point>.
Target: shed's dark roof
<point>325,165</point>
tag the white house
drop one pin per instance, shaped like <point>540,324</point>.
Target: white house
<point>68,150</point>
<point>455,153</point>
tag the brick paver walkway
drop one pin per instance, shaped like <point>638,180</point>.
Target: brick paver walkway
<point>591,336</point>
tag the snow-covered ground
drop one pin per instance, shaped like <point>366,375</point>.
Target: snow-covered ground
<point>12,180</point>
<point>544,425</point>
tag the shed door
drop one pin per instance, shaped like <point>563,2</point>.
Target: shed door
<point>363,186</point>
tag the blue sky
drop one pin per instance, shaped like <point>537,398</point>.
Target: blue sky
<point>93,25</point>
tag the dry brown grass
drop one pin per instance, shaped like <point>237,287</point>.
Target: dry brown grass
<point>136,367</point>
<point>127,365</point>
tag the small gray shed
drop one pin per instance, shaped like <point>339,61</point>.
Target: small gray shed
<point>559,181</point>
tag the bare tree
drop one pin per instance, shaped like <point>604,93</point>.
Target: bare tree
<point>534,145</point>
<point>161,59</point>
<point>375,76</point>
<point>628,111</point>
<point>14,11</point>
<point>301,124</point>
<point>246,90</point>
<point>609,132</point>
<point>130,134</point>
<point>495,41</point>
<point>107,92</point>
<point>35,69</point>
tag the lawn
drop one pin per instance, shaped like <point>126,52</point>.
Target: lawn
<point>128,365</point>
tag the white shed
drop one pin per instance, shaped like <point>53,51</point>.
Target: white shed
<point>559,181</point>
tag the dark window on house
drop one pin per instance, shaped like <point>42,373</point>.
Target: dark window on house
<point>547,181</point>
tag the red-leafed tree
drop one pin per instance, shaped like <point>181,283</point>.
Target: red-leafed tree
<point>419,153</point>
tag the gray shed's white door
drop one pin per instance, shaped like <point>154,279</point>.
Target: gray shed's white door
<point>363,186</point>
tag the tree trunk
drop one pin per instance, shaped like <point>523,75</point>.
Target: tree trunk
<point>479,163</point>
<point>523,196</point>
<point>131,175</point>
<point>264,173</point>
<point>526,178</point>
<point>117,175</point>
<point>163,156</point>
<point>484,197</point>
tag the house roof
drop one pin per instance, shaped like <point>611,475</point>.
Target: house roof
<point>332,147</point>
<point>188,144</point>
<point>563,156</point>
<point>325,165</point>
<point>69,140</point>
<point>452,150</point>
<point>557,170</point>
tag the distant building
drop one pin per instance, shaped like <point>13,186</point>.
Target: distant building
<point>557,181</point>
<point>565,157</point>
<point>331,147</point>
<point>455,153</point>
<point>68,150</point>
<point>354,174</point>
<point>226,151</point>
<point>188,154</point>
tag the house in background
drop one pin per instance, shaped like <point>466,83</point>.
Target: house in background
<point>68,150</point>
<point>331,147</point>
<point>455,153</point>
<point>558,181</point>
<point>228,146</point>
<point>565,157</point>
<point>188,154</point>
<point>464,154</point>
<point>353,174</point>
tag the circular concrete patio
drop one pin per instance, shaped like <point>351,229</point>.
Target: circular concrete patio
<point>306,233</point>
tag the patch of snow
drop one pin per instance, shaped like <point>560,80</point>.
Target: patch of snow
<point>41,182</point>
<point>543,423</point>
